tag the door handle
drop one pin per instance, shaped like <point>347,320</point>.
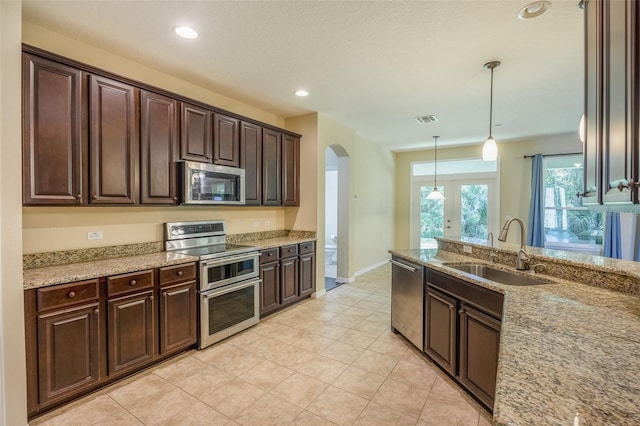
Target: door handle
<point>402,265</point>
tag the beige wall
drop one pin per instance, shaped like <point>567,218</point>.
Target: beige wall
<point>515,176</point>
<point>13,393</point>
<point>60,228</point>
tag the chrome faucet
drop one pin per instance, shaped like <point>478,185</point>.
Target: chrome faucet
<point>492,256</point>
<point>522,262</point>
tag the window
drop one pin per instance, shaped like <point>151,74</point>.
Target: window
<point>568,225</point>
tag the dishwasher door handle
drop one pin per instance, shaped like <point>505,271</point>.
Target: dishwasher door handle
<point>402,265</point>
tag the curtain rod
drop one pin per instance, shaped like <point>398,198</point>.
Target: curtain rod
<point>555,155</point>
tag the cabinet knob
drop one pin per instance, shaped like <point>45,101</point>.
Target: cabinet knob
<point>95,197</point>
<point>180,273</point>
<point>461,311</point>
<point>175,199</point>
<point>150,297</point>
<point>71,294</point>
<point>96,311</point>
<point>79,196</point>
<point>133,282</point>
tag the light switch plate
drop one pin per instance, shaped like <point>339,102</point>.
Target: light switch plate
<point>467,249</point>
<point>95,235</point>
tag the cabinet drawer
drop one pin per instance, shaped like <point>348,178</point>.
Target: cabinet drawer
<point>127,283</point>
<point>288,251</point>
<point>269,255</point>
<point>67,294</point>
<point>304,248</point>
<point>178,273</point>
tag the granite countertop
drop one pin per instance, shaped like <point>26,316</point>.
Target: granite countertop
<point>565,348</point>
<point>277,242</point>
<point>52,275</point>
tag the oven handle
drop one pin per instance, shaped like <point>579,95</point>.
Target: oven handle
<point>229,288</point>
<point>229,259</point>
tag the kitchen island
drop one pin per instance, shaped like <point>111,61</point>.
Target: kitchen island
<point>567,350</point>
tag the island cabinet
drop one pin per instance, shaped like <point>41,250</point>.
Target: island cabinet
<point>83,335</point>
<point>53,133</point>
<point>462,332</point>
<point>287,274</point>
<point>612,101</point>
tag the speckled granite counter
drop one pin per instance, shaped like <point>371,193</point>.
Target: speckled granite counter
<point>278,242</point>
<point>51,275</point>
<point>267,240</point>
<point>565,348</point>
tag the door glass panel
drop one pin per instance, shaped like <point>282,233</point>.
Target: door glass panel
<point>474,203</point>
<point>431,218</point>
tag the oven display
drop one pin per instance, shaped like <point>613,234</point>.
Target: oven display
<point>228,271</point>
<point>230,309</point>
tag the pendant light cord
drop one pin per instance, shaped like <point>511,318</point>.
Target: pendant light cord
<point>491,104</point>
<point>435,163</point>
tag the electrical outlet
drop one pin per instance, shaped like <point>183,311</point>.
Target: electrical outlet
<point>256,223</point>
<point>267,223</point>
<point>95,235</point>
<point>467,249</point>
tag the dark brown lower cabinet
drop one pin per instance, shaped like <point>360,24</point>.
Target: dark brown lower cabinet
<point>68,352</point>
<point>269,287</point>
<point>307,269</point>
<point>177,310</point>
<point>289,279</point>
<point>131,335</point>
<point>479,342</point>
<point>440,332</point>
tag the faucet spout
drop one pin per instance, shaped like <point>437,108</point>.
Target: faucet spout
<point>522,262</point>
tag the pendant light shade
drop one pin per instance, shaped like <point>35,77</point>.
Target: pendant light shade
<point>582,129</point>
<point>435,193</point>
<point>490,149</point>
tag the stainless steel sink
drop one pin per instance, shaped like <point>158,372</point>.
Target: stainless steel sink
<point>497,275</point>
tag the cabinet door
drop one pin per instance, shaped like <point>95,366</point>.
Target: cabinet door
<point>269,287</point>
<point>131,332</point>
<point>177,317</point>
<point>271,167</point>
<point>52,133</point>
<point>289,280</point>
<point>290,170</point>
<point>440,331</point>
<point>307,267</point>
<point>479,342</point>
<point>114,141</point>
<point>159,148</point>
<point>251,161</point>
<point>195,134</point>
<point>68,352</point>
<point>226,140</point>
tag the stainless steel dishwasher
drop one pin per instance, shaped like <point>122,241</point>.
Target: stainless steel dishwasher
<point>407,300</point>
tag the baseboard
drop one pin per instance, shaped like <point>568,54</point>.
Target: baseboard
<point>319,293</point>
<point>345,280</point>
<point>371,267</point>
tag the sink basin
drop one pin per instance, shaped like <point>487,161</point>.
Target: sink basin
<point>498,275</point>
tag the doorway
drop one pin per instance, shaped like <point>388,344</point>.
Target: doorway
<point>336,229</point>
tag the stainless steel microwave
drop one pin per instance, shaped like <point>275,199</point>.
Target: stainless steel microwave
<point>203,183</point>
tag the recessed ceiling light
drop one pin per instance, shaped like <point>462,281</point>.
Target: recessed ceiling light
<point>535,9</point>
<point>426,119</point>
<point>302,93</point>
<point>186,32</point>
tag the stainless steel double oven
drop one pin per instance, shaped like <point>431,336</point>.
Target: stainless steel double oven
<point>229,284</point>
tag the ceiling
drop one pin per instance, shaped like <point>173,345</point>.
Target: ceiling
<point>370,65</point>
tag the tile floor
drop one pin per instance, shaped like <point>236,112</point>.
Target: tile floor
<point>331,360</point>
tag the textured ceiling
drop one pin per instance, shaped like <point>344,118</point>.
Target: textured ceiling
<point>369,65</point>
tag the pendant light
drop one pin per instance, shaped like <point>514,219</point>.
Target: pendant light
<point>435,193</point>
<point>490,149</point>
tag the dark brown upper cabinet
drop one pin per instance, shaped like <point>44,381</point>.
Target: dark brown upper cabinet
<point>158,148</point>
<point>195,133</point>
<point>114,141</point>
<point>612,101</point>
<point>226,140</point>
<point>290,170</point>
<point>54,150</point>
<point>271,167</point>
<point>251,161</point>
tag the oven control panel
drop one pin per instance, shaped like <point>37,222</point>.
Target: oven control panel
<point>179,230</point>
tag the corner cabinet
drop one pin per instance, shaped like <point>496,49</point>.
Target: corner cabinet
<point>612,102</point>
<point>83,335</point>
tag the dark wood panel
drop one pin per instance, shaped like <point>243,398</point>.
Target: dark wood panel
<point>271,168</point>
<point>68,358</point>
<point>114,141</point>
<point>308,247</point>
<point>131,332</point>
<point>226,140</point>
<point>127,283</point>
<point>195,133</point>
<point>177,273</point>
<point>269,287</point>
<point>60,296</point>
<point>269,255</point>
<point>251,161</point>
<point>307,268</point>
<point>290,170</point>
<point>440,331</point>
<point>178,317</point>
<point>158,148</point>
<point>54,154</point>
<point>288,251</point>
<point>289,289</point>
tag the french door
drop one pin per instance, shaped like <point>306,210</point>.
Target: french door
<point>470,209</point>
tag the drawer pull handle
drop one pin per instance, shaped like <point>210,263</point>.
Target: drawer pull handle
<point>71,294</point>
<point>180,273</point>
<point>133,282</point>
